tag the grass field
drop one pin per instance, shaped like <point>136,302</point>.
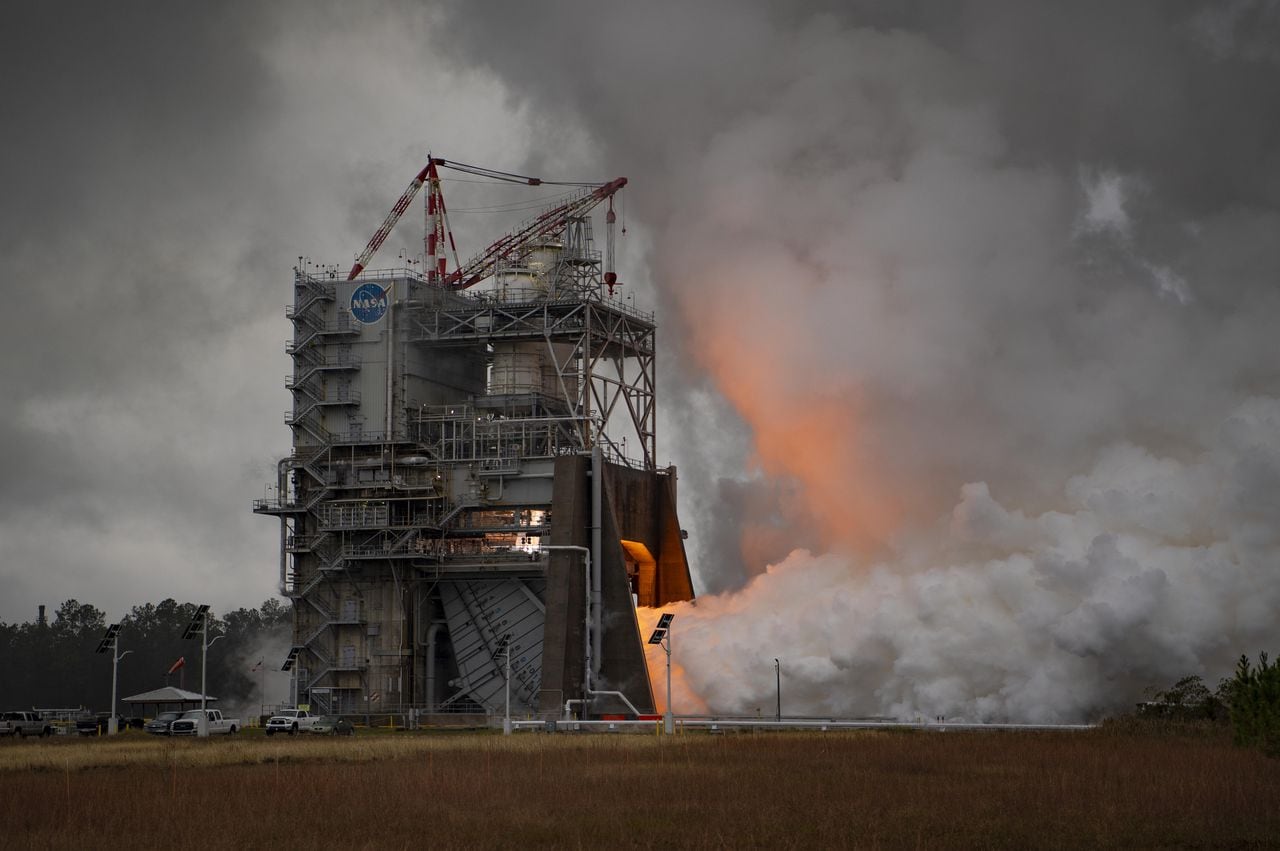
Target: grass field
<point>1109,788</point>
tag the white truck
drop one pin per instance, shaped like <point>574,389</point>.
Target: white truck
<point>189,724</point>
<point>291,721</point>
<point>24,724</point>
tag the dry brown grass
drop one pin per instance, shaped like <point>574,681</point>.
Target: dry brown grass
<point>1102,789</point>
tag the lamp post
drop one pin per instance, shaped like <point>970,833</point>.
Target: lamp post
<point>506,720</point>
<point>113,724</point>
<point>200,624</point>
<point>662,637</point>
<point>777,670</point>
<point>668,723</point>
<point>110,642</point>
<point>205,644</point>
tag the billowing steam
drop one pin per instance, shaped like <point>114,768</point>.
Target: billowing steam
<point>1155,568</point>
<point>974,314</point>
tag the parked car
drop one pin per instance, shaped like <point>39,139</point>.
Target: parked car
<point>159,726</point>
<point>189,724</point>
<point>24,724</point>
<point>100,724</point>
<point>333,725</point>
<point>290,721</point>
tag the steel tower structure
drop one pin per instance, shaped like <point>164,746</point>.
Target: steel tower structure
<point>473,467</point>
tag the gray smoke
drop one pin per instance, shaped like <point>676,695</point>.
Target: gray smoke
<point>164,168</point>
<point>971,320</point>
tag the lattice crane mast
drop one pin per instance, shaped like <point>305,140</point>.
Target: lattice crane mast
<point>513,246</point>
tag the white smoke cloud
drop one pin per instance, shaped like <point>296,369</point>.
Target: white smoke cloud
<point>1156,569</point>
<point>1016,252</point>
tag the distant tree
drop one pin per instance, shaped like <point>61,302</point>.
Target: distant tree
<point>275,614</point>
<point>1189,699</point>
<point>1255,704</point>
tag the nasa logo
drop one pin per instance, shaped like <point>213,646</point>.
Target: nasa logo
<point>368,303</point>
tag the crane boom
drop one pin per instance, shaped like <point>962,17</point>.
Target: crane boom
<point>381,234</point>
<point>513,246</point>
<point>520,242</point>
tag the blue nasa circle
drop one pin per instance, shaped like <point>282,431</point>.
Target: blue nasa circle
<point>368,303</point>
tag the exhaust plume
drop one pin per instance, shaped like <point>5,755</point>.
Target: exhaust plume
<point>973,321</point>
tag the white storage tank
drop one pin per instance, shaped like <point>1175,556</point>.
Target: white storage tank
<point>517,369</point>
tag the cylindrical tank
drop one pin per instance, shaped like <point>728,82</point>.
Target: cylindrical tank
<point>517,369</point>
<point>518,283</point>
<point>541,262</point>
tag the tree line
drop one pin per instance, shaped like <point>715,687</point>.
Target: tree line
<point>52,664</point>
<point>1249,702</point>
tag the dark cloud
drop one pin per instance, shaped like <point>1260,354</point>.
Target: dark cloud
<point>164,166</point>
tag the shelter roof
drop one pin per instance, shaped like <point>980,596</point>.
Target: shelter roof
<point>168,694</point>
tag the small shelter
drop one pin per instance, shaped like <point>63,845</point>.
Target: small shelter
<point>167,698</point>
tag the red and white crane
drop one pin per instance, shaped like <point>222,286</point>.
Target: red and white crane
<point>511,247</point>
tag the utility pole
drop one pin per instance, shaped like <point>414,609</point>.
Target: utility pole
<point>777,670</point>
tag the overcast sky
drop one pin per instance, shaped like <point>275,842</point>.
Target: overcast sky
<point>924,272</point>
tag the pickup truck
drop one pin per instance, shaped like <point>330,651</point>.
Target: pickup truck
<point>291,721</point>
<point>24,724</point>
<point>159,726</point>
<point>189,724</point>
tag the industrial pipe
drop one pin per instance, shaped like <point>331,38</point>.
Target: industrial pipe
<point>431,665</point>
<point>594,693</point>
<point>597,595</point>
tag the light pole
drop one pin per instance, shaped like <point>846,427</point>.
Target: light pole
<point>777,670</point>
<point>205,644</point>
<point>506,721</point>
<point>110,641</point>
<point>113,725</point>
<point>662,637</point>
<point>200,624</point>
<point>668,723</point>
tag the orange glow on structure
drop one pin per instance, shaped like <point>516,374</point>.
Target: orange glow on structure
<point>686,701</point>
<point>642,568</point>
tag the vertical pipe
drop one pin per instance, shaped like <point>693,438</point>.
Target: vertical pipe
<point>391,303</point>
<point>282,484</point>
<point>597,598</point>
<point>431,666</point>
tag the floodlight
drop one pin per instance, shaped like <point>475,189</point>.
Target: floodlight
<point>198,621</point>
